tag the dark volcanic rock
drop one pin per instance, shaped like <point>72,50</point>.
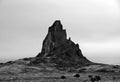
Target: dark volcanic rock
<point>59,50</point>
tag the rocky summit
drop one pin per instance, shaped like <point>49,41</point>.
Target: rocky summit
<point>59,50</point>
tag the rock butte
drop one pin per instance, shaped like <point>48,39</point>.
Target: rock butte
<point>59,50</point>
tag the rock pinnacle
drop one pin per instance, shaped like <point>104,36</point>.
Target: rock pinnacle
<point>58,49</point>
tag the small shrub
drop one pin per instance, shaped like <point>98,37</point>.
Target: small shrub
<point>1,63</point>
<point>90,76</point>
<point>113,78</point>
<point>76,75</point>
<point>116,66</point>
<point>94,78</point>
<point>63,77</point>
<point>98,78</point>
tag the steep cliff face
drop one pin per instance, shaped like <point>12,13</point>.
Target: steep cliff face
<point>58,49</point>
<point>55,38</point>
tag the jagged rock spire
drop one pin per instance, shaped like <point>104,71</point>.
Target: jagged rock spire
<point>55,37</point>
<point>57,24</point>
<point>59,49</point>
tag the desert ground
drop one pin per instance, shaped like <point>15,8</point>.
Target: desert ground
<point>19,71</point>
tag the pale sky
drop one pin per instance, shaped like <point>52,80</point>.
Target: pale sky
<point>94,24</point>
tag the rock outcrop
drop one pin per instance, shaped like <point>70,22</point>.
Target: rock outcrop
<point>59,50</point>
